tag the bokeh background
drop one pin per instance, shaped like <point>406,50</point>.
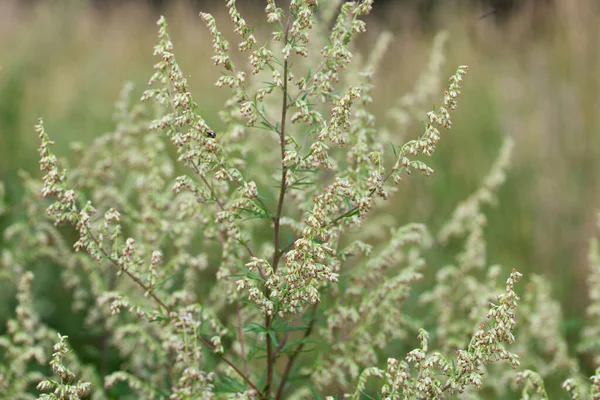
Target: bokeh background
<point>533,75</point>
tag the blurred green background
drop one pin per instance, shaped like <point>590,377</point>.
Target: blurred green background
<point>533,76</point>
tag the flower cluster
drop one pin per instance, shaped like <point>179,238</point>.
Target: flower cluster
<point>427,143</point>
<point>66,388</point>
<point>433,376</point>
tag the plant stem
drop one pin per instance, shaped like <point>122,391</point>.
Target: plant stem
<point>277,219</point>
<point>129,274</point>
<point>290,362</point>
<point>270,361</point>
<point>170,311</point>
<point>284,108</point>
<point>353,209</point>
<point>241,338</point>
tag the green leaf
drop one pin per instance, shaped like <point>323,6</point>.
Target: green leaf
<point>226,384</point>
<point>316,395</point>
<point>273,337</point>
<point>263,207</point>
<point>254,327</point>
<point>252,353</point>
<point>285,327</point>
<point>367,396</point>
<point>255,213</point>
<point>290,347</point>
<point>301,182</point>
<point>268,128</point>
<point>308,75</point>
<point>353,213</point>
<point>168,278</point>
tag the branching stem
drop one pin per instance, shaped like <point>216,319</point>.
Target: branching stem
<point>290,362</point>
<point>277,218</point>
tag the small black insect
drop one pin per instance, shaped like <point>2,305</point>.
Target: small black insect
<point>209,132</point>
